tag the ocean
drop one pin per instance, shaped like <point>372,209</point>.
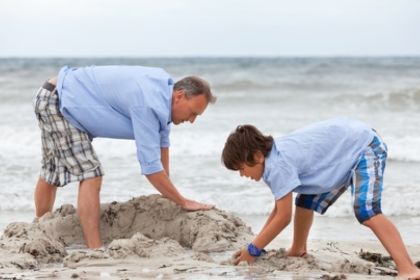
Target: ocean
<point>278,95</point>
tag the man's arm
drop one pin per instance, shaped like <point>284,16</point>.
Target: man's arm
<point>154,164</point>
<point>164,158</point>
<point>162,183</point>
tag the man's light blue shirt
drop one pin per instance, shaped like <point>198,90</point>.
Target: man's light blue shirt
<point>317,158</point>
<point>123,102</point>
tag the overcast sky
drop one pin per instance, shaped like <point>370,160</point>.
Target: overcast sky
<point>209,28</point>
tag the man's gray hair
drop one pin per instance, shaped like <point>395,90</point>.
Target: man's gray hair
<point>194,86</point>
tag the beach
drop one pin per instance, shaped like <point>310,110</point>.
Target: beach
<point>150,237</point>
<point>278,95</point>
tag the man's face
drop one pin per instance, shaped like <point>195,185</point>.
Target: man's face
<point>253,172</point>
<point>187,109</point>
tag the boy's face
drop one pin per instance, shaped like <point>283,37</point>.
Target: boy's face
<point>253,172</point>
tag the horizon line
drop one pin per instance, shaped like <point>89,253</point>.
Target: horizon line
<point>206,56</point>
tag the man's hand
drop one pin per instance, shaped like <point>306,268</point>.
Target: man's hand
<point>243,255</point>
<point>192,205</point>
<point>163,184</point>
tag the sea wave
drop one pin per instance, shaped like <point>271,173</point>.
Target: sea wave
<point>277,95</point>
<point>397,200</point>
<point>400,100</point>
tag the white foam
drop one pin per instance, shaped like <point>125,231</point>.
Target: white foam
<point>276,95</point>
<point>404,148</point>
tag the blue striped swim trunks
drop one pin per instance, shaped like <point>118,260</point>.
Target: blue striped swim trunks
<point>367,181</point>
<point>366,185</point>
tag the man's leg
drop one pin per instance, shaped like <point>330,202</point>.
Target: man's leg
<point>302,224</point>
<point>89,211</point>
<point>391,239</point>
<point>44,197</point>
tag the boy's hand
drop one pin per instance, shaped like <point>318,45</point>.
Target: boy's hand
<point>192,205</point>
<point>243,255</point>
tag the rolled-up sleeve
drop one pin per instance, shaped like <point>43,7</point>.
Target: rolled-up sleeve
<point>164,137</point>
<point>147,135</point>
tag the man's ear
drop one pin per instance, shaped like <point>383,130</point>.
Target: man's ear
<point>178,95</point>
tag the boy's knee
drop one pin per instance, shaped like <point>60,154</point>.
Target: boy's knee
<point>288,220</point>
<point>367,223</point>
<point>367,220</point>
<point>364,212</point>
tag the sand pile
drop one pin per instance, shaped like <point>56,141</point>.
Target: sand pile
<point>155,236</point>
<point>147,226</point>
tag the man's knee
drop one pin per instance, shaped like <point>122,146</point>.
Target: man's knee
<point>44,183</point>
<point>92,183</point>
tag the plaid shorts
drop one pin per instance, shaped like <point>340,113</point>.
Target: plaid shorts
<point>366,185</point>
<point>67,152</point>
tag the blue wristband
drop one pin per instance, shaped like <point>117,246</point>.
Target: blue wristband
<point>253,250</point>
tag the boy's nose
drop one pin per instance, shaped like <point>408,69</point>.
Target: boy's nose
<point>192,119</point>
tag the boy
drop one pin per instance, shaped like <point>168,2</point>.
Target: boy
<point>319,162</point>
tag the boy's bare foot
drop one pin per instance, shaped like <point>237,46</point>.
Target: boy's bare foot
<point>296,253</point>
<point>413,275</point>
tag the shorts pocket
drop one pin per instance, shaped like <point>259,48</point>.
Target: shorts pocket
<point>79,157</point>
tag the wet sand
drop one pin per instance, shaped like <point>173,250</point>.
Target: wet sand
<point>151,237</point>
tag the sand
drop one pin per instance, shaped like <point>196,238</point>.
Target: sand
<point>152,237</point>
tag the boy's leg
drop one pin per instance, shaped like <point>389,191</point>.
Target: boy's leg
<point>366,192</point>
<point>306,204</point>
<point>89,211</point>
<point>302,224</point>
<point>391,239</point>
<point>44,197</point>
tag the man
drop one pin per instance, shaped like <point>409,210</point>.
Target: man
<point>123,102</point>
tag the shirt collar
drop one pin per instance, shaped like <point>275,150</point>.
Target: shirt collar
<point>268,162</point>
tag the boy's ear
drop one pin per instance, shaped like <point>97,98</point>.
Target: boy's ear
<point>259,157</point>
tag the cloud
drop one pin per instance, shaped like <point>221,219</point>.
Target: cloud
<point>208,28</point>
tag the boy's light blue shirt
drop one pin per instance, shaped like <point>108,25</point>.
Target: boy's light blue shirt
<point>316,158</point>
<point>123,102</point>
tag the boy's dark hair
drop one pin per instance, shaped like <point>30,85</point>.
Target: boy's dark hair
<point>242,145</point>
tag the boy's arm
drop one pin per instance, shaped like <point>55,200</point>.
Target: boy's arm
<point>281,218</point>
<point>273,213</point>
<point>275,224</point>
